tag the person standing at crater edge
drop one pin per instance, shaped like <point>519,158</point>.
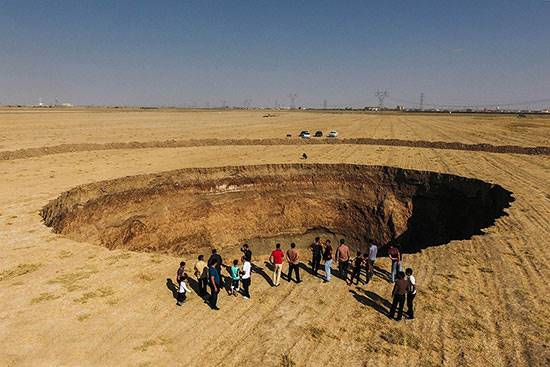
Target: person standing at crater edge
<point>373,252</point>
<point>217,259</point>
<point>327,257</point>
<point>215,282</point>
<point>182,287</point>
<point>411,292</point>
<point>342,256</point>
<point>293,259</point>
<point>245,278</point>
<point>395,256</point>
<point>247,252</point>
<point>276,258</point>
<point>316,255</point>
<point>399,291</point>
<point>201,272</point>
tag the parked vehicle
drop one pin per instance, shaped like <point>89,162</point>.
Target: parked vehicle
<point>333,134</point>
<point>318,134</point>
<point>305,134</point>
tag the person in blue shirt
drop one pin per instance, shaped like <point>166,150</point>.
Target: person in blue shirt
<point>214,282</point>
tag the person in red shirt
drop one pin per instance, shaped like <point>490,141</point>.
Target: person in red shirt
<point>276,258</point>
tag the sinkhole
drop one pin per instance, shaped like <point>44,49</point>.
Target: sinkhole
<point>189,211</point>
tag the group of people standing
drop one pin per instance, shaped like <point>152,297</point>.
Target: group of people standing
<point>208,273</point>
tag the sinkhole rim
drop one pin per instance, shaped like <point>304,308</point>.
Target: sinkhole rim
<point>228,180</point>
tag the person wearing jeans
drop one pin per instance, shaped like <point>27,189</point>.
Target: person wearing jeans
<point>276,259</point>
<point>327,257</point>
<point>394,256</point>
<point>373,251</point>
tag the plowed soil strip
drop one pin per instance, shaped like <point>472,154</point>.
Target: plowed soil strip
<point>69,148</point>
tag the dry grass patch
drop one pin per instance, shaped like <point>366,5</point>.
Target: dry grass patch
<point>146,277</point>
<point>44,297</point>
<point>70,281</point>
<point>161,341</point>
<point>396,336</point>
<point>464,329</point>
<point>98,293</point>
<point>19,270</point>
<point>486,270</point>
<point>84,317</point>
<point>156,259</point>
<point>111,260</point>
<point>64,254</point>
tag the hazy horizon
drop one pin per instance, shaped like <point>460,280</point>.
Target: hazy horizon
<point>175,53</point>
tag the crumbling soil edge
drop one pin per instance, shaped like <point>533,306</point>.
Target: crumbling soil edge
<point>422,209</point>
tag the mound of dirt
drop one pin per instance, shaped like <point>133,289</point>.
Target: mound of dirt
<point>186,211</point>
<point>71,148</point>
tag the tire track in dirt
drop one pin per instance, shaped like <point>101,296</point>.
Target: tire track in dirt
<point>71,148</point>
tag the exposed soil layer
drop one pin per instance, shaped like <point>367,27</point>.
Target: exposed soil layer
<point>186,211</point>
<point>68,148</point>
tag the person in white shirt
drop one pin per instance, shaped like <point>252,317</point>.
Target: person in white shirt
<point>411,293</point>
<point>245,277</point>
<point>373,251</point>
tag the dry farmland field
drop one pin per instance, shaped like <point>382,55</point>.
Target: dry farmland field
<point>99,206</point>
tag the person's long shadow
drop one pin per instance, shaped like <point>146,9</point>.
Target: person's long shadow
<point>227,280</point>
<point>172,287</point>
<point>256,269</point>
<point>372,300</point>
<point>193,284</point>
<point>382,273</point>
<point>306,268</point>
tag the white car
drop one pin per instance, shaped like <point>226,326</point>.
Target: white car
<point>332,134</point>
<point>305,134</point>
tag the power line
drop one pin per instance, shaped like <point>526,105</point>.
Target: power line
<point>293,97</point>
<point>508,104</point>
<point>381,95</point>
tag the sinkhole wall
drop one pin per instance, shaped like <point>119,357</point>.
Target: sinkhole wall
<point>186,211</point>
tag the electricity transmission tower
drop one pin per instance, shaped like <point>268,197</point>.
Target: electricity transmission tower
<point>381,94</point>
<point>421,101</point>
<point>292,97</point>
<point>325,104</point>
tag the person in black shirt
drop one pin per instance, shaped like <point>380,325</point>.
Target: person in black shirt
<point>316,255</point>
<point>247,253</point>
<point>357,265</point>
<point>217,259</point>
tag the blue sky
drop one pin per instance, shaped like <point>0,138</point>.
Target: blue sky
<point>198,52</point>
